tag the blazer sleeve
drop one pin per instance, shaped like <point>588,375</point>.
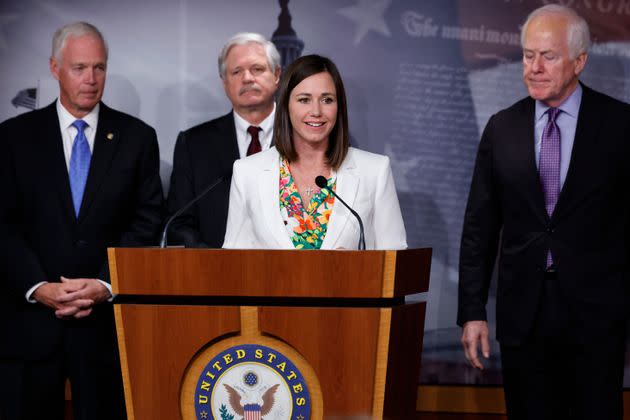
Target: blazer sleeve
<point>239,231</point>
<point>480,236</point>
<point>389,228</point>
<point>145,218</point>
<point>20,268</point>
<point>184,230</point>
<point>148,209</point>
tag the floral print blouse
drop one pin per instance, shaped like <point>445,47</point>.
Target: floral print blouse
<point>306,227</point>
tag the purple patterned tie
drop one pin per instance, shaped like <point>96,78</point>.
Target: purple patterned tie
<point>549,165</point>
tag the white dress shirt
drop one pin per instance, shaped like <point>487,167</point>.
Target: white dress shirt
<point>265,135</point>
<point>69,132</point>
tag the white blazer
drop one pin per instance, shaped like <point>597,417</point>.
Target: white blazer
<point>364,181</point>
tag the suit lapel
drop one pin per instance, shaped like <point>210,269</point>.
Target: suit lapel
<point>268,189</point>
<point>106,141</point>
<point>227,130</point>
<point>589,120</point>
<point>347,187</point>
<point>52,150</point>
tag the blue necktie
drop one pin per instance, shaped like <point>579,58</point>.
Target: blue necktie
<point>79,165</point>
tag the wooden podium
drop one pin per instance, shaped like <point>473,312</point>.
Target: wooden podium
<point>207,333</point>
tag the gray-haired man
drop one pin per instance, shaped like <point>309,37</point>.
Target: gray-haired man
<point>76,177</point>
<point>249,66</point>
<point>551,180</point>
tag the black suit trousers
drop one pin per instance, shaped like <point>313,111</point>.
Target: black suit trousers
<point>88,357</point>
<point>564,370</point>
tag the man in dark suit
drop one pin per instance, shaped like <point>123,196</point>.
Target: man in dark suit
<point>249,66</point>
<point>550,186</point>
<point>77,177</point>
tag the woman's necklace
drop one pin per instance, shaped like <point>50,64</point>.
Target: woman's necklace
<point>308,188</point>
<point>311,189</point>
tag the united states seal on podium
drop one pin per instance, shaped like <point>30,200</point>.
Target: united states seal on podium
<point>251,382</point>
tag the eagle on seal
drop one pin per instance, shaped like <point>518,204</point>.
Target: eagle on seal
<point>251,404</point>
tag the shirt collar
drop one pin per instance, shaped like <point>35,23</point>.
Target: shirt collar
<point>67,118</point>
<point>570,106</point>
<point>266,125</point>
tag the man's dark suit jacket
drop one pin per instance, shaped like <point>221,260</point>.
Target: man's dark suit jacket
<point>588,232</point>
<point>202,155</point>
<point>40,237</point>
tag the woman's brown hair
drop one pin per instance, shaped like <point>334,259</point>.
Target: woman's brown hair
<point>300,69</point>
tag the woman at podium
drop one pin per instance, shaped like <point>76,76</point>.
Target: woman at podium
<point>275,201</point>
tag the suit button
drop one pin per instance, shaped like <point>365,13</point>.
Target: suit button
<point>550,229</point>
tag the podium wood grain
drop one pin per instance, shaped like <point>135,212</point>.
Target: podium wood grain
<point>271,273</point>
<point>364,354</point>
<point>159,343</point>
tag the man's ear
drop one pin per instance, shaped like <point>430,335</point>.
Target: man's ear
<point>580,62</point>
<point>277,74</point>
<point>54,67</point>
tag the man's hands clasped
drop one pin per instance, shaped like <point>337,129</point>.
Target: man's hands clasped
<point>72,298</point>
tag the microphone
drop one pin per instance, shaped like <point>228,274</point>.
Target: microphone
<point>321,182</point>
<point>225,176</point>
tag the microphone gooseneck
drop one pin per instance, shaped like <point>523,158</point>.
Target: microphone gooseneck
<point>321,182</point>
<point>163,240</point>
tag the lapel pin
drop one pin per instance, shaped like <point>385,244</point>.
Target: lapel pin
<point>110,136</point>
